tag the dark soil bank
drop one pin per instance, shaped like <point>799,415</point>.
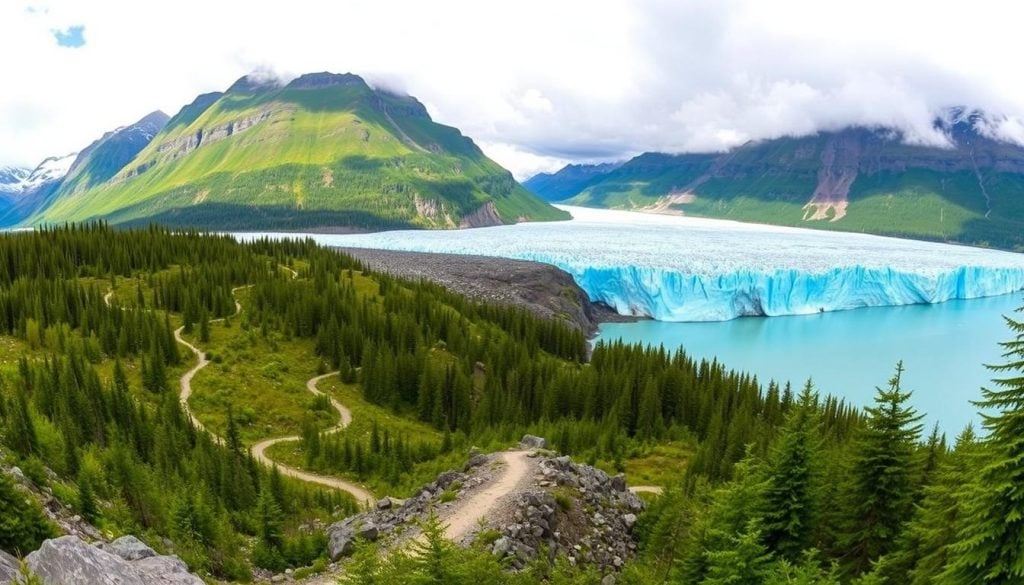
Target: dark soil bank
<point>542,289</point>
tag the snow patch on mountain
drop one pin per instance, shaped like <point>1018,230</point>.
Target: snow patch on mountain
<point>17,181</point>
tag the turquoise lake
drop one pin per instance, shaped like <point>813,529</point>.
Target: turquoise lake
<point>849,353</point>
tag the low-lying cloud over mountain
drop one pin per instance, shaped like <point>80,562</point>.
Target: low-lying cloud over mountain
<point>538,84</point>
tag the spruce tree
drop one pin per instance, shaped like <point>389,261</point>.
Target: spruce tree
<point>925,551</point>
<point>744,562</point>
<point>23,527</point>
<point>789,509</point>
<point>21,434</point>
<point>880,500</point>
<point>87,505</point>
<point>990,548</point>
<point>270,519</point>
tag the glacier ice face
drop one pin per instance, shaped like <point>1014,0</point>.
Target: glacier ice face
<point>671,296</point>
<point>688,269</point>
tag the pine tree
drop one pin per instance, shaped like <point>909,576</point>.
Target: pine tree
<point>87,505</point>
<point>789,509</point>
<point>649,422</point>
<point>23,527</point>
<point>990,548</point>
<point>925,553</point>
<point>433,554</point>
<point>744,562</point>
<point>21,435</point>
<point>880,500</point>
<point>270,518</point>
<point>204,326</point>
<point>232,437</point>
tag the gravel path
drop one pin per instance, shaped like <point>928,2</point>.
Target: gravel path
<point>647,489</point>
<point>490,499</point>
<point>361,494</point>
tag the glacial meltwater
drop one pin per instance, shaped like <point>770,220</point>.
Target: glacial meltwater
<point>848,353</point>
<point>696,276</point>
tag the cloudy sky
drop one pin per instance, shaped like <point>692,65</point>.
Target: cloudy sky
<point>536,83</point>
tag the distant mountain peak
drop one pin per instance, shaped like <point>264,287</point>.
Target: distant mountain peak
<point>156,118</point>
<point>254,83</point>
<point>325,79</point>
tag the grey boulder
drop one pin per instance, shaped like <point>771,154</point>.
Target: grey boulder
<point>533,442</point>
<point>129,548</point>
<point>68,560</point>
<point>8,568</point>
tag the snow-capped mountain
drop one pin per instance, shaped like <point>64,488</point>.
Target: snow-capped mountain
<point>52,169</point>
<point>17,181</point>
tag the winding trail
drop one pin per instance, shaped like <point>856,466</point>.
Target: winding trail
<point>361,494</point>
<point>647,489</point>
<point>201,362</point>
<point>465,517</point>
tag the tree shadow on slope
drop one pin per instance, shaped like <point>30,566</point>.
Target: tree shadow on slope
<point>234,217</point>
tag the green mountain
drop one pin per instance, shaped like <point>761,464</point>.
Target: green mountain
<point>325,151</point>
<point>857,179</point>
<point>568,181</point>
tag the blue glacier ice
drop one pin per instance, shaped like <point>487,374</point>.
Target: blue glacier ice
<point>687,269</point>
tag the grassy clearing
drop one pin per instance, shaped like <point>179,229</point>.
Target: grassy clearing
<point>262,380</point>
<point>364,415</point>
<point>661,465</point>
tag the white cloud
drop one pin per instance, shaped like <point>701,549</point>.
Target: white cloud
<point>523,164</point>
<point>538,83</point>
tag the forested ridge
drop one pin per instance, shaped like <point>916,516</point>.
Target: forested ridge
<point>767,484</point>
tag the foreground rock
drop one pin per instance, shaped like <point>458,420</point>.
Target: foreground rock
<point>68,560</point>
<point>8,567</point>
<point>390,519</point>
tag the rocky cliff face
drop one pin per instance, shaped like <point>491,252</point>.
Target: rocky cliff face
<point>485,216</point>
<point>179,147</point>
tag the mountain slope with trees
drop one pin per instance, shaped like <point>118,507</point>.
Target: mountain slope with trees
<point>762,484</point>
<point>855,179</point>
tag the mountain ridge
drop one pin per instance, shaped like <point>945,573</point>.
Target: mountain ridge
<point>855,179</point>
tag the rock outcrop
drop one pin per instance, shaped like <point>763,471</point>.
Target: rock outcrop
<point>533,442</point>
<point>204,136</point>
<point>391,518</point>
<point>577,511</point>
<point>129,548</point>
<point>570,510</point>
<point>8,568</point>
<point>69,560</point>
<point>485,216</point>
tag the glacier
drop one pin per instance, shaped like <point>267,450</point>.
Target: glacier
<point>673,268</point>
